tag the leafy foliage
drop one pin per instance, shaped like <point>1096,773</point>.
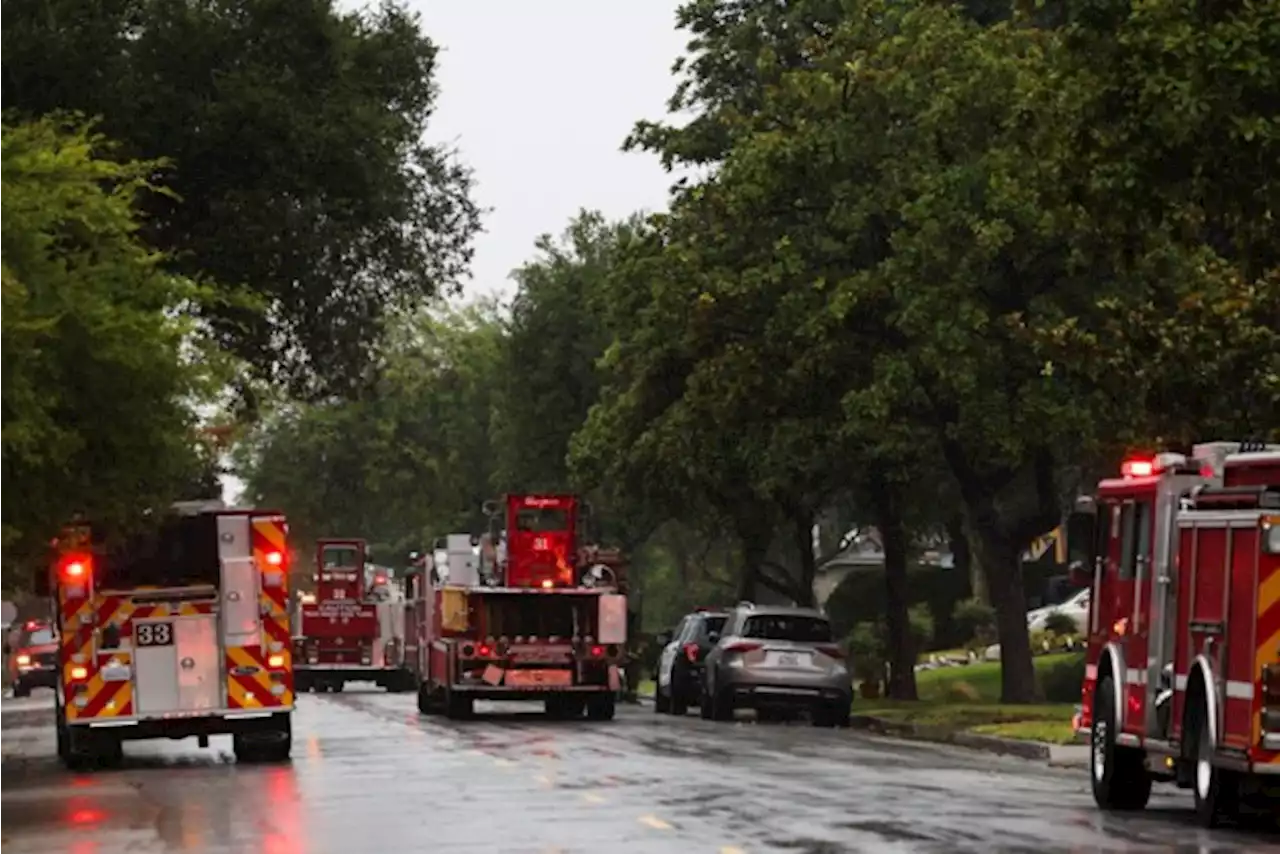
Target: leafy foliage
<point>294,138</point>
<point>102,359</point>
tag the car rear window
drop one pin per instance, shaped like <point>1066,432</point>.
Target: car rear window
<point>40,637</point>
<point>713,624</point>
<point>788,627</point>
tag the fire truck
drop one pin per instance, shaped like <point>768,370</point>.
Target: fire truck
<point>179,631</point>
<point>352,629</point>
<point>1182,680</point>
<point>521,612</point>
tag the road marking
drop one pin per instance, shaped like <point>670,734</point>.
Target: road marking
<point>592,798</point>
<point>503,763</point>
<point>543,779</point>
<point>732,849</point>
<point>654,822</point>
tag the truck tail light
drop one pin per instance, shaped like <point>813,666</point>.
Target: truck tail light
<point>79,673</point>
<point>484,650</point>
<point>597,651</point>
<point>23,660</point>
<point>275,661</point>
<point>274,558</point>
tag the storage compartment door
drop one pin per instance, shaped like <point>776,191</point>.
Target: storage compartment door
<point>613,618</point>
<point>199,663</point>
<point>155,667</point>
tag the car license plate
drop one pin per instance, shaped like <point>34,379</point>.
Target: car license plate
<point>539,678</point>
<point>788,659</point>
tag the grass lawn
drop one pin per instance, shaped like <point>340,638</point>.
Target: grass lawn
<point>967,698</point>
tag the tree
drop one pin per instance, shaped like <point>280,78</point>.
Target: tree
<point>298,165</point>
<point>102,361</point>
<point>408,463</point>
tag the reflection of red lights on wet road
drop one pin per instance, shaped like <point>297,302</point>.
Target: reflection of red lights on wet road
<point>82,815</point>
<point>85,846</point>
<point>285,834</point>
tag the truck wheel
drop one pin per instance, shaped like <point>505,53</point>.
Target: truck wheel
<point>458,706</point>
<point>270,746</point>
<point>1216,789</point>
<point>21,690</point>
<point>601,707</point>
<point>1119,774</point>
<point>337,687</point>
<point>428,699</point>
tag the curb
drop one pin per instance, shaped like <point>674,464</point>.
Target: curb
<point>1033,750</point>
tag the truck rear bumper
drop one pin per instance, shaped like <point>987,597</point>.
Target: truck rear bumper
<point>527,692</point>
<point>307,675</point>
<point>235,723</point>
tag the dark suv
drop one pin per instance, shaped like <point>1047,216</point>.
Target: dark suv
<point>680,665</point>
<point>33,657</point>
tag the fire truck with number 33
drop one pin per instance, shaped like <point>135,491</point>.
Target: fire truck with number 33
<point>1182,680</point>
<point>179,631</point>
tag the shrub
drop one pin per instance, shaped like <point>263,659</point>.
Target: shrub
<point>962,692</point>
<point>977,620</point>
<point>866,651</point>
<point>921,620</point>
<point>1062,682</point>
<point>1060,624</point>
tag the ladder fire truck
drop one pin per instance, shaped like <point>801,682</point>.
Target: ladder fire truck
<point>525,613</point>
<point>177,632</point>
<point>352,630</point>
<point>1182,680</point>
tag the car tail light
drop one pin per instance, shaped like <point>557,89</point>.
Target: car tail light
<point>830,650</point>
<point>742,646</point>
<point>691,652</point>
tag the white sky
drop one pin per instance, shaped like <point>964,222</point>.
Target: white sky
<point>537,97</point>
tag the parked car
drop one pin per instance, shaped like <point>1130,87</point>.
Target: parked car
<point>1077,608</point>
<point>680,665</point>
<point>777,660</point>
<point>32,657</point>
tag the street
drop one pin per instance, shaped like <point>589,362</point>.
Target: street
<point>368,774</point>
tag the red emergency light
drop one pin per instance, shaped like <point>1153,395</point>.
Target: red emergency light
<point>1138,467</point>
<point>75,567</point>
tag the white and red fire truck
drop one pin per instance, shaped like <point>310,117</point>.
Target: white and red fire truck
<point>1182,678</point>
<point>352,628</point>
<point>523,612</point>
<point>177,632</point>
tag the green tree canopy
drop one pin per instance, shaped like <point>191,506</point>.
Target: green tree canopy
<point>102,360</point>
<point>295,138</point>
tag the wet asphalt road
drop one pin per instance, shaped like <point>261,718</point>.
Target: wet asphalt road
<point>369,775</point>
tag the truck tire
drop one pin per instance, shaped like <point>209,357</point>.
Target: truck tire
<point>601,707</point>
<point>271,746</point>
<point>20,690</point>
<point>430,699</point>
<point>1118,774</point>
<point>1217,790</point>
<point>458,706</point>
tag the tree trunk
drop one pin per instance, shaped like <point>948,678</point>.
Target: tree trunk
<point>1001,556</point>
<point>961,553</point>
<point>902,651</point>
<point>808,560</point>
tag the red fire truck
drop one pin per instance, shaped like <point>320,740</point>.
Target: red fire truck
<point>523,612</point>
<point>177,632</point>
<point>1182,678</point>
<point>353,629</point>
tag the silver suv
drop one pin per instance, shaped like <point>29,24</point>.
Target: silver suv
<point>773,660</point>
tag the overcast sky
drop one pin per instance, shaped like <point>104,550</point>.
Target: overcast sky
<point>537,97</point>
